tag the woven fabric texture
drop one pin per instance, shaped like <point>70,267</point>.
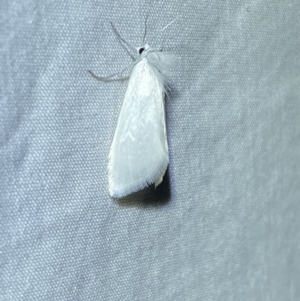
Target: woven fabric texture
<point>224,224</point>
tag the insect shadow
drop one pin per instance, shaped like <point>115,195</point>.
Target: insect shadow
<point>149,196</point>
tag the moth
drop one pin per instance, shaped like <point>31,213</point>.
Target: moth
<point>138,154</point>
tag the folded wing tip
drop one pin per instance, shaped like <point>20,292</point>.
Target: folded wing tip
<point>121,190</point>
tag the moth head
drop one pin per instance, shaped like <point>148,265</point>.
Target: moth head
<point>142,49</point>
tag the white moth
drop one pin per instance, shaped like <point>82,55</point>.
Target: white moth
<point>138,155</point>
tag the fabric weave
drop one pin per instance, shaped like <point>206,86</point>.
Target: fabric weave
<point>224,224</point>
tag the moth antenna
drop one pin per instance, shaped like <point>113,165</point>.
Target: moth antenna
<point>121,39</point>
<point>145,30</point>
<point>161,30</point>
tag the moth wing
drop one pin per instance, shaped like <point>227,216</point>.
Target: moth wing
<point>139,151</point>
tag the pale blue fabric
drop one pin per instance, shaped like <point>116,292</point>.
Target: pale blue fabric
<point>225,223</point>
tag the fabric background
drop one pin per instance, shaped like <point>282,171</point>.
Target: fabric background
<point>224,225</point>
